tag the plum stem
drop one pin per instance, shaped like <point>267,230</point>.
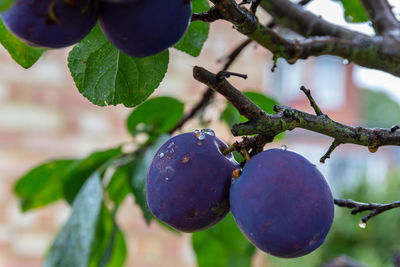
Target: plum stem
<point>245,154</point>
<point>230,149</point>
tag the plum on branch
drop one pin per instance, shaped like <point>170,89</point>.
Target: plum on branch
<point>188,181</point>
<point>282,203</point>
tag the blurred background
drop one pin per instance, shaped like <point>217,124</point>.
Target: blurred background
<point>43,116</point>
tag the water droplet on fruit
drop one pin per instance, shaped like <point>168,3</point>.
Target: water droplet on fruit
<point>345,61</point>
<point>166,179</point>
<point>208,131</point>
<point>201,136</point>
<point>284,147</point>
<point>161,155</point>
<point>362,224</point>
<point>170,145</point>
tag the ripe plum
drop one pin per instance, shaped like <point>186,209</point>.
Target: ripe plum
<point>282,203</point>
<point>51,23</point>
<point>144,28</point>
<point>188,181</point>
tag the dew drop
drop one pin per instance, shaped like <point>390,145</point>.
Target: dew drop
<point>345,61</point>
<point>284,147</point>
<point>161,155</point>
<point>170,145</point>
<point>201,136</point>
<point>362,224</point>
<point>208,131</point>
<point>166,179</point>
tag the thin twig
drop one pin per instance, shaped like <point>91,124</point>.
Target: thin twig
<point>358,207</point>
<point>312,101</point>
<point>332,147</point>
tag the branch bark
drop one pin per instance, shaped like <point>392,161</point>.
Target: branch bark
<point>358,207</point>
<point>323,38</point>
<point>382,17</point>
<point>288,118</point>
<point>208,95</point>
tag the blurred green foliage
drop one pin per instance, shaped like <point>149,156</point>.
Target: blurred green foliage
<point>378,109</point>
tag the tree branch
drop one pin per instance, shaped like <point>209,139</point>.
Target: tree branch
<point>294,17</point>
<point>382,17</point>
<point>209,93</point>
<point>358,207</point>
<point>208,16</point>
<point>288,118</point>
<point>242,103</point>
<point>371,52</point>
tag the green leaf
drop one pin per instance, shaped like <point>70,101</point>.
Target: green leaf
<point>118,250</point>
<point>81,170</point>
<point>139,176</point>
<point>222,245</point>
<point>119,186</point>
<point>22,53</point>
<point>42,185</point>
<point>197,32</point>
<point>354,11</point>
<point>109,248</point>
<point>5,4</point>
<point>72,246</point>
<point>151,116</point>
<point>106,76</point>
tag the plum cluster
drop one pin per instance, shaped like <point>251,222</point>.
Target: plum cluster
<point>280,202</point>
<point>137,28</point>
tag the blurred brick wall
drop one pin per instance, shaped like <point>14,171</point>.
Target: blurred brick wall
<point>43,116</point>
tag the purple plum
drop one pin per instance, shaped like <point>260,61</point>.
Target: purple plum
<point>282,203</point>
<point>51,23</point>
<point>188,181</point>
<point>145,28</point>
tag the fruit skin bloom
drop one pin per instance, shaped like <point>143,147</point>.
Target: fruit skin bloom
<point>145,28</point>
<point>188,182</point>
<point>282,203</point>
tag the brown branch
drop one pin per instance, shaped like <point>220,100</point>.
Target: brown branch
<point>313,104</point>
<point>288,118</point>
<point>358,207</point>
<point>382,17</point>
<point>243,104</point>
<point>208,16</point>
<point>371,52</point>
<point>332,147</point>
<point>209,93</point>
<point>294,17</point>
